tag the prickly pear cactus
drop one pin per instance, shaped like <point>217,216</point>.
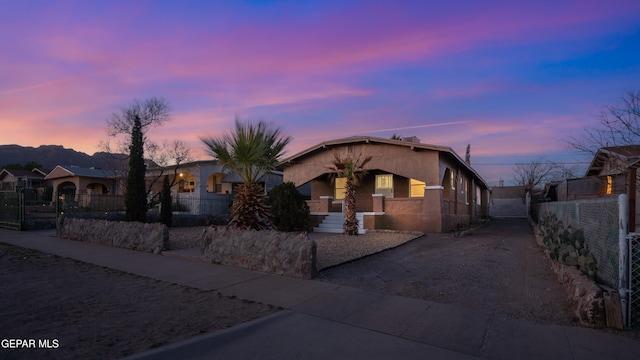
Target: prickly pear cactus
<point>566,244</point>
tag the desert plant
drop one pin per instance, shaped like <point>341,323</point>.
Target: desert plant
<point>252,150</point>
<point>290,211</point>
<point>352,170</point>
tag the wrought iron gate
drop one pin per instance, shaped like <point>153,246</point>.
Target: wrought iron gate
<point>11,210</point>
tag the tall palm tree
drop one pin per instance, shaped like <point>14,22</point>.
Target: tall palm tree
<point>252,150</point>
<point>353,171</point>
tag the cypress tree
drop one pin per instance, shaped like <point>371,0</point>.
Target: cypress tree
<point>165,202</point>
<point>136,193</point>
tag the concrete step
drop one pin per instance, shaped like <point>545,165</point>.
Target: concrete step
<point>333,222</point>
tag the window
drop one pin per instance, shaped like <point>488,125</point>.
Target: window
<point>453,180</point>
<point>609,185</point>
<point>384,185</point>
<point>340,184</point>
<point>416,188</point>
<point>478,196</point>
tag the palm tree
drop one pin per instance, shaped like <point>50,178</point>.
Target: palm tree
<point>353,171</point>
<point>252,150</point>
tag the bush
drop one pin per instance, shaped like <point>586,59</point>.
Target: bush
<point>289,210</point>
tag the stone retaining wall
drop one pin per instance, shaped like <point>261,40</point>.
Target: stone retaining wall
<point>586,296</point>
<point>270,251</point>
<point>152,238</point>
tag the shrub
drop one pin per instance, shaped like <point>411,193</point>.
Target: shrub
<point>289,210</point>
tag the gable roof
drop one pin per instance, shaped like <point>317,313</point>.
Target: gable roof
<point>71,171</point>
<point>21,173</point>
<point>415,146</point>
<point>628,153</point>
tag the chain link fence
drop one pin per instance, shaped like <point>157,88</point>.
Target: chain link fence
<point>634,280</point>
<point>598,219</point>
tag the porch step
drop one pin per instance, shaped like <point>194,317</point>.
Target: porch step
<point>333,222</point>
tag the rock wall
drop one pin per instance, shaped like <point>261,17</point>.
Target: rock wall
<point>152,238</point>
<point>270,251</point>
<point>586,297</point>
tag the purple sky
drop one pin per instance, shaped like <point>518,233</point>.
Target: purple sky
<point>512,78</point>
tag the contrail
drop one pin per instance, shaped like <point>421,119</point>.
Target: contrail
<point>49,83</point>
<point>419,126</point>
<point>34,86</point>
<point>392,129</point>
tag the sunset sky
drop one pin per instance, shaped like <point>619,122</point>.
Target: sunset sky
<point>511,78</point>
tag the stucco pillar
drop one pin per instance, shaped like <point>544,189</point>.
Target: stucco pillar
<point>325,203</point>
<point>432,208</point>
<point>378,203</point>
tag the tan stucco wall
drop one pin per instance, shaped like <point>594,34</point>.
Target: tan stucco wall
<point>428,214</point>
<point>82,183</point>
<point>400,160</point>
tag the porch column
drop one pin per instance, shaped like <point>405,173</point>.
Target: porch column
<point>432,208</point>
<point>378,203</point>
<point>325,203</point>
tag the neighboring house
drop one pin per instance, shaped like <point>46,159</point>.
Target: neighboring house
<point>203,187</point>
<point>609,173</point>
<point>509,201</point>
<point>613,160</point>
<point>70,181</point>
<point>33,180</point>
<point>612,171</point>
<point>15,179</point>
<point>200,187</point>
<point>409,185</point>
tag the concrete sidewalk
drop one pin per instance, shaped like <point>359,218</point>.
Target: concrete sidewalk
<point>327,321</point>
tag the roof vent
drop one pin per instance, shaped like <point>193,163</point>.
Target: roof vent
<point>411,139</point>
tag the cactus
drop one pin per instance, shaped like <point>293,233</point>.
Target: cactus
<point>566,244</point>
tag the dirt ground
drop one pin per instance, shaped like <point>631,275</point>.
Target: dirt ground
<point>498,268</point>
<point>94,312</point>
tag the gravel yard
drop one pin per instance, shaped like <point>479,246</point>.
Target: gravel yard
<point>332,249</point>
<point>335,249</point>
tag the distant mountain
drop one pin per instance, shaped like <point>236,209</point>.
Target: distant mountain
<point>51,155</point>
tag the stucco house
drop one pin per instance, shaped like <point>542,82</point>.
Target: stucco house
<point>204,187</point>
<point>409,185</point>
<point>14,179</point>
<point>73,180</point>
<point>200,187</point>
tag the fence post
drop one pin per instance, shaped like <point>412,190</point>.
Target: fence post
<point>623,257</point>
<point>21,209</point>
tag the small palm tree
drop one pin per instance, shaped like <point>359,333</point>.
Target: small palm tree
<point>252,150</point>
<point>353,171</point>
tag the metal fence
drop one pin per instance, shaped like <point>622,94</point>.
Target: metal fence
<point>20,210</point>
<point>113,206</point>
<point>11,211</point>
<point>634,282</point>
<point>598,219</point>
